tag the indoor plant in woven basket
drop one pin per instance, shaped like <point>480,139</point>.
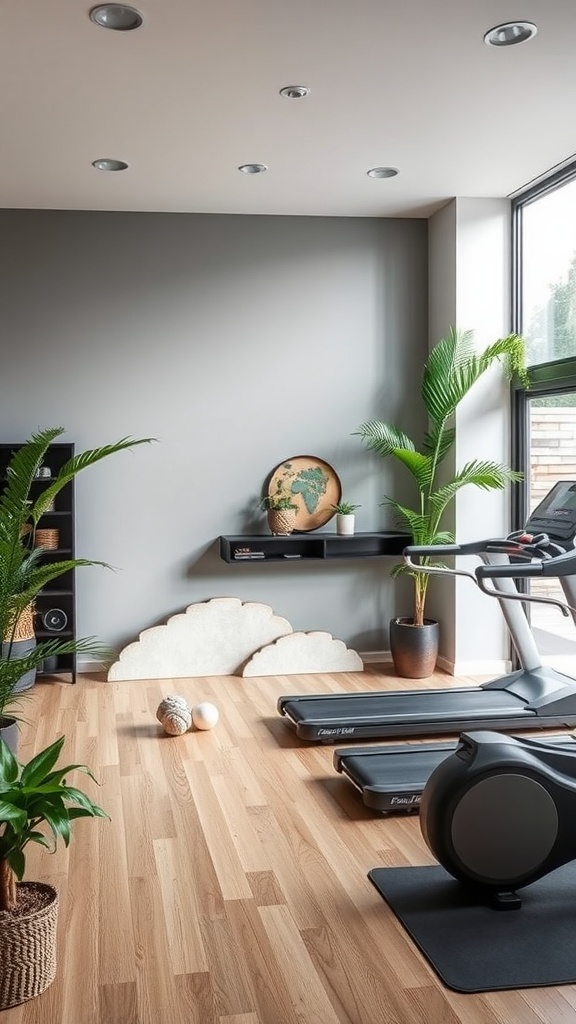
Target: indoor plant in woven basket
<point>23,572</point>
<point>281,512</point>
<point>37,805</point>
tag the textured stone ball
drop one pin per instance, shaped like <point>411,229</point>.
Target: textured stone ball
<point>174,715</point>
<point>205,715</point>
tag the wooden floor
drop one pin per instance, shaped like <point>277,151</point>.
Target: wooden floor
<point>230,886</point>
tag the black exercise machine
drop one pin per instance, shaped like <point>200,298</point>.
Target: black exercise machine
<point>498,813</point>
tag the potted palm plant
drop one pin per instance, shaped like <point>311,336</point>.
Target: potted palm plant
<point>23,573</point>
<point>452,369</point>
<point>37,805</point>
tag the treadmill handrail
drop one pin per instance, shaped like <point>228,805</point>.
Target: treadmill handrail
<point>437,570</point>
<point>565,608</point>
<point>558,565</point>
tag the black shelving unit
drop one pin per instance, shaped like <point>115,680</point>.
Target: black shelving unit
<point>299,547</point>
<point>55,617</point>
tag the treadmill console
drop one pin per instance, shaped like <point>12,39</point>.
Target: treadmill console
<point>556,514</point>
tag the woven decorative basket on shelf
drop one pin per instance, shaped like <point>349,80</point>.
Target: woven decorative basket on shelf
<point>28,948</point>
<point>24,629</point>
<point>46,538</point>
<point>281,522</point>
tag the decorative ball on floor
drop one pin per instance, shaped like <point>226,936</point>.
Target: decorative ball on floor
<point>205,715</point>
<point>174,715</point>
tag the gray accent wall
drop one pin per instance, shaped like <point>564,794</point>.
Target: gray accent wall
<point>236,341</point>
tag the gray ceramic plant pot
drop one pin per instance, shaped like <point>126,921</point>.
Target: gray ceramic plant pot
<point>414,649</point>
<point>19,649</point>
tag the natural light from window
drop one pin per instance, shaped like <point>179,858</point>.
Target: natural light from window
<point>549,275</point>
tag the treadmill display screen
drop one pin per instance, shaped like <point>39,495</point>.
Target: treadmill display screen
<point>560,502</point>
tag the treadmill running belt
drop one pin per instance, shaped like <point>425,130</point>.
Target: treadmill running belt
<point>371,715</point>
<point>365,707</point>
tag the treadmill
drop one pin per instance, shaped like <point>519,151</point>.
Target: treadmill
<point>532,697</point>
<point>391,779</point>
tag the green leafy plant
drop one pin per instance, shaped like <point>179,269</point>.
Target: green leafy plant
<point>23,571</point>
<point>278,500</point>
<point>36,806</point>
<point>452,369</point>
<point>291,482</point>
<point>345,508</point>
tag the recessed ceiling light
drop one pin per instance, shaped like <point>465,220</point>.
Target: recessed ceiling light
<point>510,33</point>
<point>106,164</point>
<point>252,168</point>
<point>295,92</point>
<point>118,17</point>
<point>382,172</point>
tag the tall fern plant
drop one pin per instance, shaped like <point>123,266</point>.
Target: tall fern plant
<point>23,572</point>
<point>452,369</point>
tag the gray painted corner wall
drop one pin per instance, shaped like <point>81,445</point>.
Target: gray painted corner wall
<point>236,341</point>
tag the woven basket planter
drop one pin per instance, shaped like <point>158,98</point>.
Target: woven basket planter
<point>24,628</point>
<point>28,948</point>
<point>281,521</point>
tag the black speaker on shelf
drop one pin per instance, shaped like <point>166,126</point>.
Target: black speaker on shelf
<point>55,620</point>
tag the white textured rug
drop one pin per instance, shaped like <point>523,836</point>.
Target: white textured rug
<point>226,636</point>
<point>303,652</point>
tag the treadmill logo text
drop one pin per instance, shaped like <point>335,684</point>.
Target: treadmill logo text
<point>342,731</point>
<point>406,800</point>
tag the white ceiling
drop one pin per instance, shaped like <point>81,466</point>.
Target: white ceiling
<point>194,93</point>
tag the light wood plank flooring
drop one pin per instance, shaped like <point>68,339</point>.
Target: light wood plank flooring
<point>230,886</point>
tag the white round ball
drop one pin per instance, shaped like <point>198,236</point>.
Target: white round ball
<point>205,715</point>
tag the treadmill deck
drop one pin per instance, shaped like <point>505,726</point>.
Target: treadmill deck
<point>391,778</point>
<point>333,717</point>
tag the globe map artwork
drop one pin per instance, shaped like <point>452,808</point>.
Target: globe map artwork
<point>313,485</point>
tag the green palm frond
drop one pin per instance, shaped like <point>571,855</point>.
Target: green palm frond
<point>438,442</point>
<point>454,367</point>
<point>384,438</point>
<point>441,387</point>
<point>15,497</point>
<point>74,466</point>
<point>485,475</point>
<point>414,523</point>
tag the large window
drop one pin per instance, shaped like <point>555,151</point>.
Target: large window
<point>545,416</point>
<point>548,268</point>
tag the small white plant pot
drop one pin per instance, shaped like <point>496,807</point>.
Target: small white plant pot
<point>345,524</point>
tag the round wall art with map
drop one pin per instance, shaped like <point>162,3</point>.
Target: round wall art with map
<point>313,486</point>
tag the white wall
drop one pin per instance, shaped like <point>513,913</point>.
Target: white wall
<point>470,275</point>
<point>237,342</point>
